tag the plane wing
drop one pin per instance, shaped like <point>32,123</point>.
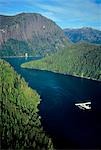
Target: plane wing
<point>86,105</point>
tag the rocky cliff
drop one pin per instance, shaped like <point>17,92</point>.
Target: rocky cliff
<point>29,32</point>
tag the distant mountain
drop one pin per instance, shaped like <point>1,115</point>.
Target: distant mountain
<point>84,34</point>
<point>31,33</point>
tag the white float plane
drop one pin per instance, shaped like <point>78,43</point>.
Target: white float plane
<point>86,105</point>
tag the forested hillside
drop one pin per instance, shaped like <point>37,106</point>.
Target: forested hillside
<point>20,126</point>
<point>83,60</point>
<point>29,33</point>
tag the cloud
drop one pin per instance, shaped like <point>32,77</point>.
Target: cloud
<point>51,16</point>
<point>66,13</point>
<point>77,11</point>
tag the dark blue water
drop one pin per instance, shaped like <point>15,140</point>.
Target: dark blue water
<point>68,126</point>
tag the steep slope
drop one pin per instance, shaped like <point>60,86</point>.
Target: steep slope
<point>84,34</point>
<point>81,60</point>
<point>31,33</point>
<point>20,126</point>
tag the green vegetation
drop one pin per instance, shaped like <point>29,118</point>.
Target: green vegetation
<point>83,60</point>
<point>15,48</point>
<point>20,126</point>
<point>29,33</point>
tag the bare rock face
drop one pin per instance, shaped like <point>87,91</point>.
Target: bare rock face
<point>31,30</point>
<point>84,34</point>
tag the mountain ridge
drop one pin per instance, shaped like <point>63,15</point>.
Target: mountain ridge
<point>38,33</point>
<point>86,34</point>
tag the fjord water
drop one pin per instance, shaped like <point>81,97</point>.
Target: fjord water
<point>68,126</point>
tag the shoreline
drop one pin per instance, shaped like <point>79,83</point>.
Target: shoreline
<point>82,77</point>
<point>88,78</point>
<point>15,56</point>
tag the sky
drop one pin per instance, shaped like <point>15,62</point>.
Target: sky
<point>66,13</point>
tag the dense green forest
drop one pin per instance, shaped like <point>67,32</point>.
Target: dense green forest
<point>14,47</point>
<point>20,126</point>
<point>83,60</point>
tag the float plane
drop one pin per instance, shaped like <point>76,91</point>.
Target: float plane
<point>84,106</point>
